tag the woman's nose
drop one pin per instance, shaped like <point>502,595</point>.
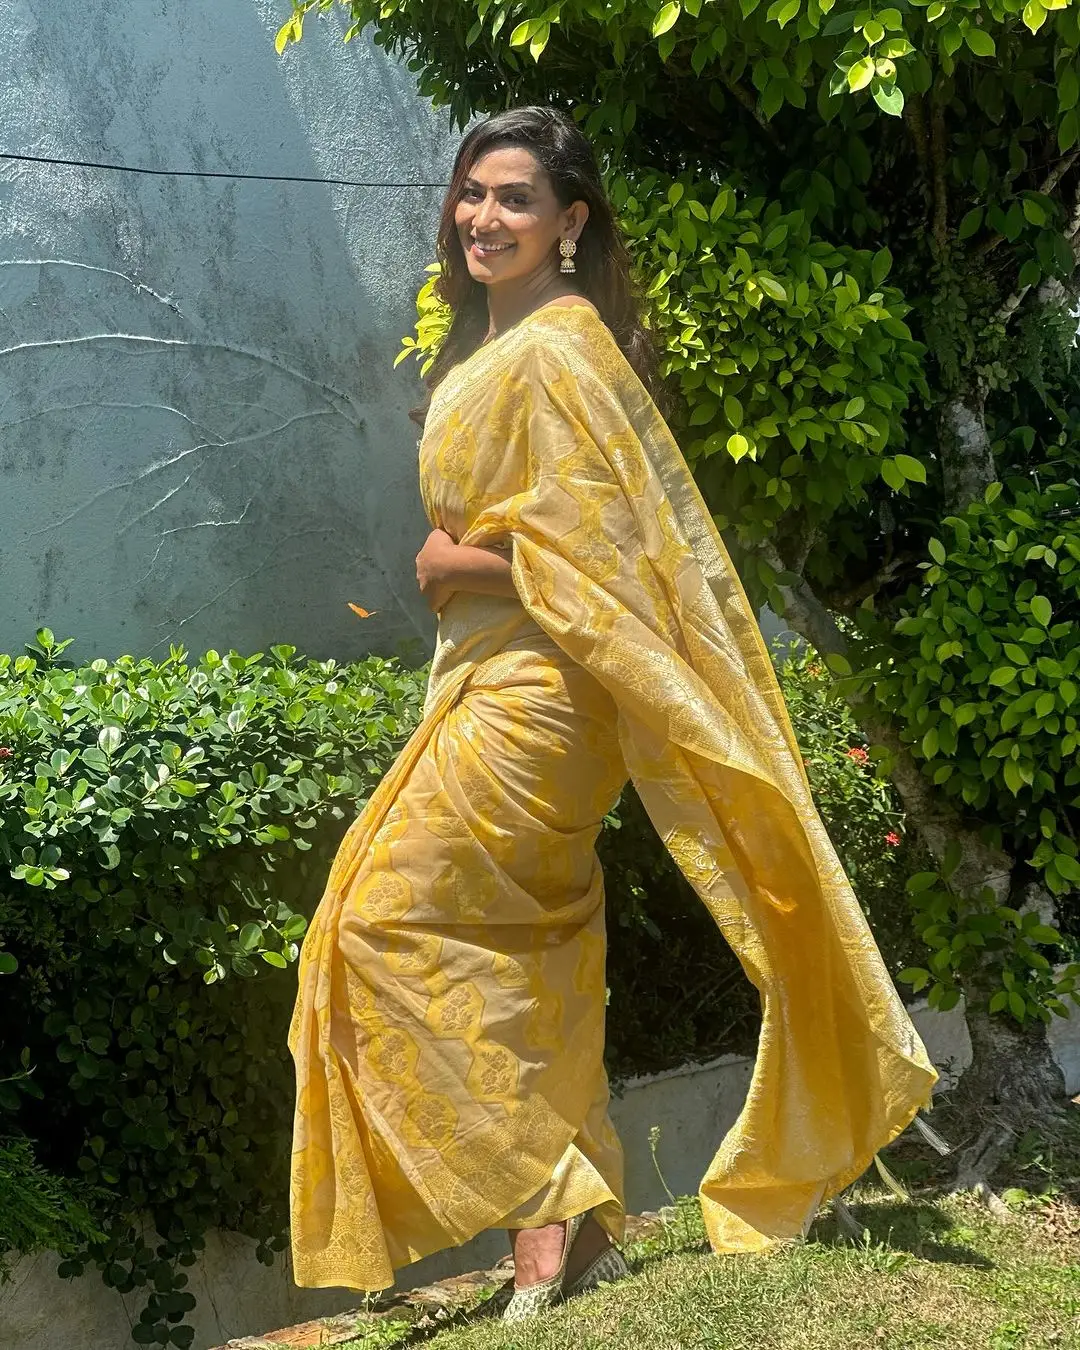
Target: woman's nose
<point>486,213</point>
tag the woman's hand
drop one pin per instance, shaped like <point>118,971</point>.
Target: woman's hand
<point>434,569</point>
<point>443,568</point>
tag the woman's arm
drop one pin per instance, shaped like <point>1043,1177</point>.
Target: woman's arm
<point>443,567</point>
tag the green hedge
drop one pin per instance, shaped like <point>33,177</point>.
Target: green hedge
<point>165,826</point>
<point>165,829</point>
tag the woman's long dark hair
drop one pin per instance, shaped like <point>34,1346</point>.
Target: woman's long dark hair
<point>603,263</point>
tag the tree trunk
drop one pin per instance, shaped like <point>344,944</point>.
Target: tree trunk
<point>1012,1070</point>
<point>1011,1083</point>
<point>967,461</point>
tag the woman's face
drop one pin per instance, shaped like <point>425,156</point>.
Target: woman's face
<point>510,222</point>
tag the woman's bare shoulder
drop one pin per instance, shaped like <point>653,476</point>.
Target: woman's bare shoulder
<point>570,301</point>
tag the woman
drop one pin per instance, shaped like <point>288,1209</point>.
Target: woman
<point>448,1033</point>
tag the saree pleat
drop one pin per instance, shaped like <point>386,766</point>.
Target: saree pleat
<point>449,1026</point>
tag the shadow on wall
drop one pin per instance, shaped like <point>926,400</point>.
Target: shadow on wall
<point>201,439</point>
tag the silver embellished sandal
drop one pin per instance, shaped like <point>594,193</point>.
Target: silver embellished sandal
<point>608,1267</point>
<point>535,1298</point>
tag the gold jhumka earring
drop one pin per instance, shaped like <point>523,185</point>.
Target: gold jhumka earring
<point>567,247</point>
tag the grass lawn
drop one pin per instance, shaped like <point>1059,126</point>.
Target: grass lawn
<point>929,1273</point>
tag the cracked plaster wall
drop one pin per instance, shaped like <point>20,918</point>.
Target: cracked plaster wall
<point>201,438</point>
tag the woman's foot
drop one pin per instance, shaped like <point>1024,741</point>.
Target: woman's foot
<point>538,1252</point>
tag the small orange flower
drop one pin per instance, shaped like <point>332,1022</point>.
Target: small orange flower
<point>892,838</point>
<point>858,754</point>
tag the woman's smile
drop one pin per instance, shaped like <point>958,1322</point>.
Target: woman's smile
<point>482,248</point>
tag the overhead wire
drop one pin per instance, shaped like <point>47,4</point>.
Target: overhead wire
<point>206,173</point>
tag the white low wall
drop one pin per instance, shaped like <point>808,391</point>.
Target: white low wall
<point>692,1107</point>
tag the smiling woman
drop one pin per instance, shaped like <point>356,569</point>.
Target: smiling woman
<point>509,220</point>
<point>524,182</point>
<point>449,1025</point>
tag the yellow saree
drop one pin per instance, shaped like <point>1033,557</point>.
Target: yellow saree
<point>448,1033</point>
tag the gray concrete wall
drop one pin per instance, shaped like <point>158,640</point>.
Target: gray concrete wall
<point>201,438</point>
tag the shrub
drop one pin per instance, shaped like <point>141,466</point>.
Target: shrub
<point>167,827</point>
<point>162,824</point>
<point>39,1211</point>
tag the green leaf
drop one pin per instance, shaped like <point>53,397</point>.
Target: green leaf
<point>291,30</point>
<point>8,964</point>
<point>937,550</point>
<point>860,74</point>
<point>913,471</point>
<point>890,99</point>
<point>1017,1006</point>
<point>1041,610</point>
<point>109,739</point>
<point>274,959</point>
<point>980,41</point>
<point>737,446</point>
<point>1067,866</point>
<point>1034,15</point>
<point>250,937</point>
<point>772,287</point>
<point>1034,211</point>
<point>971,223</point>
<point>916,976</point>
<point>666,18</point>
<point>539,41</point>
<point>892,475</point>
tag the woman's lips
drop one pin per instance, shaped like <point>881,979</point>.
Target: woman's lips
<point>493,250</point>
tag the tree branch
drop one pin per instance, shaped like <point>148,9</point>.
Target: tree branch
<point>1049,183</point>
<point>845,600</point>
<point>804,611</point>
<point>914,117</point>
<point>748,101</point>
<point>1058,172</point>
<point>939,163</point>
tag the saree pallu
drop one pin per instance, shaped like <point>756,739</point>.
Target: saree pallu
<point>448,1032</point>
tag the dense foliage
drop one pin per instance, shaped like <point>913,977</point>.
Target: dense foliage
<point>166,829</point>
<point>39,1211</point>
<point>856,231</point>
